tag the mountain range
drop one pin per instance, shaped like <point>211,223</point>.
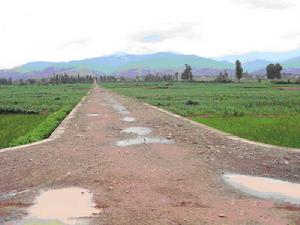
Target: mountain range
<point>130,65</point>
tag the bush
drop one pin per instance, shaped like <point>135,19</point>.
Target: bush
<point>238,113</point>
<point>280,82</point>
<point>16,110</point>
<point>191,102</point>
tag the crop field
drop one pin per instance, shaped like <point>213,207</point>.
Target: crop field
<point>30,113</point>
<point>262,112</point>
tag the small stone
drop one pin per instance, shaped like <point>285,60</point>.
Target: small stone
<point>221,215</point>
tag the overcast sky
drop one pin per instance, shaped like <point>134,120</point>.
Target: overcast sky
<point>61,30</point>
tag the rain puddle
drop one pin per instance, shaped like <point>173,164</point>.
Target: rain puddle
<point>265,187</point>
<point>71,206</point>
<point>137,130</point>
<point>120,108</point>
<point>128,119</point>
<point>92,114</point>
<point>143,140</point>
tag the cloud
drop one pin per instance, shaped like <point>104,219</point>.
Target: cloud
<point>167,31</point>
<point>78,41</point>
<point>291,35</point>
<point>267,4</point>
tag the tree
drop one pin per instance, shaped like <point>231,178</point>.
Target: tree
<point>238,70</point>
<point>176,76</point>
<point>187,73</point>
<point>223,78</point>
<point>278,69</point>
<point>10,81</point>
<point>274,71</point>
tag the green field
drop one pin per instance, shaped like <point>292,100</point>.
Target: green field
<point>261,112</point>
<point>30,113</point>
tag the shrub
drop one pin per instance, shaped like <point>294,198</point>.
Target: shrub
<point>191,102</point>
<point>238,113</point>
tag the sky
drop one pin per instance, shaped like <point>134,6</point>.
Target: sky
<point>63,30</point>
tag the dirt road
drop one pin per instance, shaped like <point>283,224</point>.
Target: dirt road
<point>175,182</point>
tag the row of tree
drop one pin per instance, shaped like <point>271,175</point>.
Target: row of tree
<point>273,71</point>
<point>4,81</point>
<point>54,79</point>
<point>67,79</point>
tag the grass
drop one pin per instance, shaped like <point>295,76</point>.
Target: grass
<point>281,130</point>
<point>31,113</point>
<point>24,123</point>
<point>261,112</point>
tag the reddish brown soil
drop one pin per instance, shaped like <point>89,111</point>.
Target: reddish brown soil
<point>289,88</point>
<point>156,184</point>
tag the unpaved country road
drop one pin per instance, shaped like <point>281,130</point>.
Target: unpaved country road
<point>176,183</point>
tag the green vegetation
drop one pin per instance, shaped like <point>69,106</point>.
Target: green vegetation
<point>262,112</point>
<point>30,113</point>
<point>238,70</point>
<point>274,71</point>
<point>9,130</point>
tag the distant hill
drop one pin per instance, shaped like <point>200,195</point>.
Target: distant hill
<point>268,56</point>
<point>290,66</point>
<point>292,63</point>
<point>121,64</point>
<point>255,65</point>
<point>129,65</point>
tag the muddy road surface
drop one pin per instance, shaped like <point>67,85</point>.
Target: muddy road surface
<point>137,165</point>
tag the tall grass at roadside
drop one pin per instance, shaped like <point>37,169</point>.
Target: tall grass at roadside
<point>43,129</point>
<point>15,125</point>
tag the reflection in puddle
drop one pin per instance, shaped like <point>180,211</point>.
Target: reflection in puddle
<point>265,187</point>
<point>137,130</point>
<point>128,119</point>
<point>143,140</point>
<point>61,206</point>
<point>92,114</point>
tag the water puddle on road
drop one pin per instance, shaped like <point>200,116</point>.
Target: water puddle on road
<point>120,108</point>
<point>137,130</point>
<point>68,206</point>
<point>143,140</point>
<point>92,114</point>
<point>128,119</point>
<point>267,188</point>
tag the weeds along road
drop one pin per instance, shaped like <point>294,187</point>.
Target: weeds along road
<point>170,173</point>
